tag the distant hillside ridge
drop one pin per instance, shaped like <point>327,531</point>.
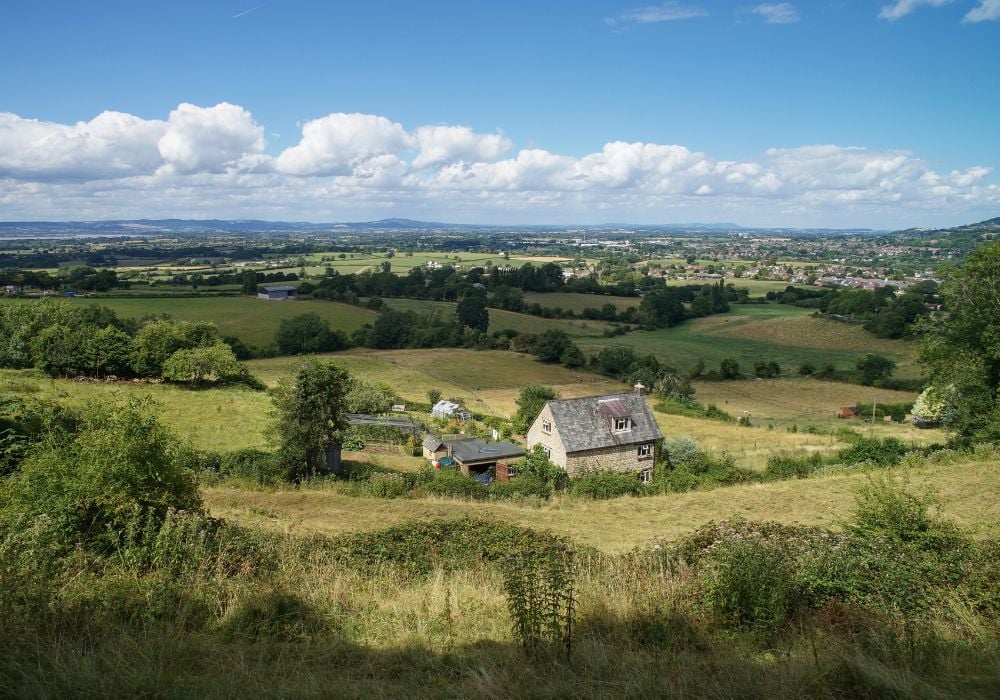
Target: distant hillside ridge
<point>965,238</point>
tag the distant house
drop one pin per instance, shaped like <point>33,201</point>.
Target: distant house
<point>11,289</point>
<point>847,412</point>
<point>449,409</point>
<point>616,432</point>
<point>472,456</point>
<point>279,293</point>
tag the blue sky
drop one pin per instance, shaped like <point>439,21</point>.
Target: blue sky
<point>867,113</point>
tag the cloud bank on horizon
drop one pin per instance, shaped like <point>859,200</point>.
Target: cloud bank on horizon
<point>213,162</point>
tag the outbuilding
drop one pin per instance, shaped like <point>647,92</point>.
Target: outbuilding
<point>279,293</point>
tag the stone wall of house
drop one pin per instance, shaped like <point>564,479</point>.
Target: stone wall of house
<point>551,440</point>
<point>618,458</point>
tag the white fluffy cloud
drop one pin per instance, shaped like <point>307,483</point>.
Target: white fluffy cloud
<point>337,143</point>
<point>986,11</point>
<point>901,8</point>
<point>212,162</point>
<point>110,145</point>
<point>777,13</point>
<point>210,139</point>
<point>447,144</point>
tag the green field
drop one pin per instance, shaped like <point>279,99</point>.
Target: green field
<point>569,301</point>
<point>214,419</point>
<point>785,334</point>
<point>249,319</point>
<point>501,320</point>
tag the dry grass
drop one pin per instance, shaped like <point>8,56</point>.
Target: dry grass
<point>970,492</point>
<point>488,380</point>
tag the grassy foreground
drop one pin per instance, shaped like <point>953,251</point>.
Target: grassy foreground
<point>970,492</point>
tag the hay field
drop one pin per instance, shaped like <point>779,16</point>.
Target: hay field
<point>797,399</point>
<point>969,491</point>
<point>249,319</point>
<point>487,380</point>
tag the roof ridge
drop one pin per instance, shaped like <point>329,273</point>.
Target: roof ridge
<point>597,396</point>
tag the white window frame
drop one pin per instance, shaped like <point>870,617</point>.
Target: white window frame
<point>547,451</point>
<point>646,476</point>
<point>625,423</point>
<point>645,451</point>
<point>511,472</point>
<point>546,426</point>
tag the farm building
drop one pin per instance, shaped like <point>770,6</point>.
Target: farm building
<point>472,456</point>
<point>847,412</point>
<point>449,409</point>
<point>279,293</point>
<point>616,432</point>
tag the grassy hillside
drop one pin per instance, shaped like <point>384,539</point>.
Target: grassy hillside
<point>785,334</point>
<point>488,380</point>
<point>501,320</point>
<point>578,302</point>
<point>249,319</point>
<point>620,524</point>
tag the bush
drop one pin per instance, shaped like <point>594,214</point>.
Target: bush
<point>389,485</point>
<point>605,484</point>
<point>786,467</point>
<point>450,482</point>
<point>255,465</point>
<point>422,547</point>
<point>882,453</point>
<point>521,486</point>
<point>681,450</point>
<point>92,483</point>
<point>886,510</point>
<point>751,584</point>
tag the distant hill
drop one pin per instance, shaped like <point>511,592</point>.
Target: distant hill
<point>964,238</point>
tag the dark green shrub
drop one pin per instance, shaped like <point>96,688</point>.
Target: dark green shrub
<point>751,584</point>
<point>92,483</point>
<point>883,453</point>
<point>449,482</point>
<point>384,486</point>
<point>885,509</point>
<point>254,465</point>
<point>605,484</point>
<point>521,486</point>
<point>422,547</point>
<point>786,467</point>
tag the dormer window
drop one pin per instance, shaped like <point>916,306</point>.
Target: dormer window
<point>546,426</point>
<point>622,424</point>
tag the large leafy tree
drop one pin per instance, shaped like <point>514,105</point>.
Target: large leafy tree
<point>471,310</point>
<point>963,350</point>
<point>307,333</point>
<point>530,402</point>
<point>310,417</point>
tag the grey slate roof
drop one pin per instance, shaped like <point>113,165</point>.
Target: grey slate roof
<point>476,450</point>
<point>586,423</point>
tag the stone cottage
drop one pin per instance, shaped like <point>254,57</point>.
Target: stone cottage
<point>616,432</point>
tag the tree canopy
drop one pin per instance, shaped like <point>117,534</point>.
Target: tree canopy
<point>962,352</point>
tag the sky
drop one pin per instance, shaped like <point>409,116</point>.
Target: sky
<point>866,113</point>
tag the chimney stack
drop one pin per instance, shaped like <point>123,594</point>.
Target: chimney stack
<point>639,389</point>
